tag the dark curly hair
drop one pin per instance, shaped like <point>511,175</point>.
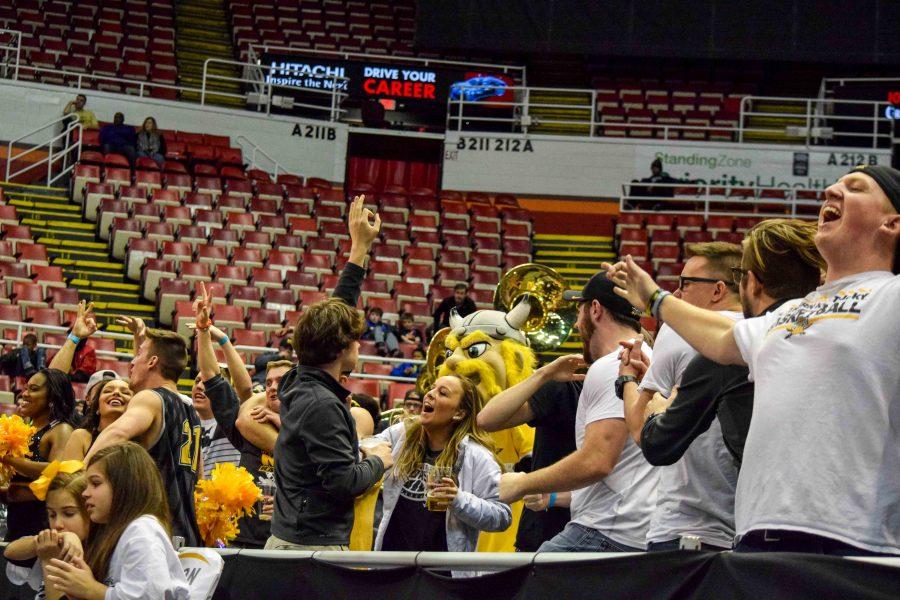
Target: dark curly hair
<point>60,396</point>
<point>325,329</point>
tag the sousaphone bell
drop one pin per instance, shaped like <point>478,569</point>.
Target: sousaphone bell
<point>551,318</point>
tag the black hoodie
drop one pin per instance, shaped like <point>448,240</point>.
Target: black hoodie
<point>317,468</point>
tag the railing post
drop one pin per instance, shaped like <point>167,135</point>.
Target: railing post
<point>527,107</point>
<point>203,83</point>
<point>874,126</point>
<point>593,111</point>
<point>49,163</point>
<point>741,121</point>
<point>808,122</point>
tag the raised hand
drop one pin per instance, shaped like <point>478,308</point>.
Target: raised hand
<point>202,308</point>
<point>633,361</point>
<point>362,229</point>
<point>135,325</point>
<point>632,282</point>
<point>85,323</point>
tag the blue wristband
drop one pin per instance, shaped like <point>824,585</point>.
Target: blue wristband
<point>74,338</point>
<point>224,340</point>
<point>552,500</point>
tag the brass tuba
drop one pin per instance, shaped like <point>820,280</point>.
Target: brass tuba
<point>433,361</point>
<point>551,318</point>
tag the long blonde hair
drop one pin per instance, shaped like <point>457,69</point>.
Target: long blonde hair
<point>412,456</point>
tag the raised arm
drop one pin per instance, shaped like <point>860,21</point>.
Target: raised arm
<point>708,332</point>
<point>510,407</point>
<point>84,327</point>
<point>363,233</point>
<point>634,363</point>
<point>143,410</point>
<point>137,328</point>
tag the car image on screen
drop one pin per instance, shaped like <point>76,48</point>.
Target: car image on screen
<point>477,88</point>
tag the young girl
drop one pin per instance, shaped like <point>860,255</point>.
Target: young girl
<point>129,547</point>
<point>48,400</point>
<point>445,435</point>
<point>110,398</point>
<point>69,526</point>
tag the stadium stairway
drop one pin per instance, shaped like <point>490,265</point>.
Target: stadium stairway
<point>771,119</point>
<point>72,244</point>
<point>575,257</point>
<point>563,106</point>
<point>202,32</point>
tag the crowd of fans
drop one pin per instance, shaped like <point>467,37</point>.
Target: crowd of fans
<point>763,419</point>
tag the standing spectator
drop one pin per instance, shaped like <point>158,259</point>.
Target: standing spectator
<point>150,143</point>
<point>159,418</point>
<point>106,402</point>
<point>48,400</point>
<point>215,447</point>
<point>838,492</point>
<point>119,138</point>
<point>381,333</point>
<point>613,489</point>
<point>318,471</point>
<point>26,360</point>
<point>460,300</point>
<point>407,331</point>
<point>86,117</point>
<point>446,436</point>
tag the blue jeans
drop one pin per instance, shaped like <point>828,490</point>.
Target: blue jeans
<point>578,538</point>
<point>669,545</point>
<point>770,540</point>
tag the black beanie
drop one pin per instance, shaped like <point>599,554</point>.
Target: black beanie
<point>888,180</point>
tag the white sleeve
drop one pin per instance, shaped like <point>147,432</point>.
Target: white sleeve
<point>599,393</point>
<point>145,570</point>
<point>749,335</point>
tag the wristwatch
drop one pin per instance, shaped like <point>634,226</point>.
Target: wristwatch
<point>620,384</point>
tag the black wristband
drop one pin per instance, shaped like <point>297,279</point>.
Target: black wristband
<point>620,384</point>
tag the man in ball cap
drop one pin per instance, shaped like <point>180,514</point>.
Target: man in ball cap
<point>613,488</point>
<point>821,469</point>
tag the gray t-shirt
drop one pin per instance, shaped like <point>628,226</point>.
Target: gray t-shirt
<point>619,505</point>
<point>823,450</point>
<point>696,494</point>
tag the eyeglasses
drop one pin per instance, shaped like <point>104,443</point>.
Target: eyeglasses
<point>682,280</point>
<point>737,274</point>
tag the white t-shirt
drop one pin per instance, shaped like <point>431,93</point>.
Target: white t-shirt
<point>618,506</point>
<point>823,451</point>
<point>216,448</point>
<point>145,565</point>
<point>696,494</point>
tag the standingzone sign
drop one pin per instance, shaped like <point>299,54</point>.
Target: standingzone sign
<point>549,166</point>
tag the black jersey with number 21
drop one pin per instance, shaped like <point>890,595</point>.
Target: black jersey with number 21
<point>177,454</point>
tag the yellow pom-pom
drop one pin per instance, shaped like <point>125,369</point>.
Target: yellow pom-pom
<point>221,500</point>
<point>15,436</point>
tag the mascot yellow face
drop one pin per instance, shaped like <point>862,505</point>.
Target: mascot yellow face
<point>489,348</point>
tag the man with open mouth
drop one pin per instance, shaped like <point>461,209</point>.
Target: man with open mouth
<point>821,469</point>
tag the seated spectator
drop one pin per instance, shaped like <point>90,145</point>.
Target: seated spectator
<point>409,369</point>
<point>464,503</point>
<point>459,300</point>
<point>407,331</point>
<point>86,117</point>
<point>26,360</point>
<point>381,333</point>
<point>150,143</point>
<point>119,138</point>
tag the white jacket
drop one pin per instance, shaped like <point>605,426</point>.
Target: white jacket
<point>477,505</point>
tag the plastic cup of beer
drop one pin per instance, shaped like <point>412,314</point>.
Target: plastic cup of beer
<point>368,443</point>
<point>267,497</point>
<point>434,478</point>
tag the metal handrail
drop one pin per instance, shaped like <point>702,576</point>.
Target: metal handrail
<point>252,55</point>
<point>712,195</point>
<point>8,48</point>
<point>68,151</point>
<point>266,87</point>
<point>242,139</point>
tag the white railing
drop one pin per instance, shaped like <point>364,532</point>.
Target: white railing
<point>251,150</point>
<point>63,149</point>
<point>719,199</point>
<point>23,328</point>
<point>10,52</point>
<point>259,78</point>
<point>257,50</point>
<point>811,121</point>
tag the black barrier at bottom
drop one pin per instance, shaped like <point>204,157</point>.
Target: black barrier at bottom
<point>676,575</point>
